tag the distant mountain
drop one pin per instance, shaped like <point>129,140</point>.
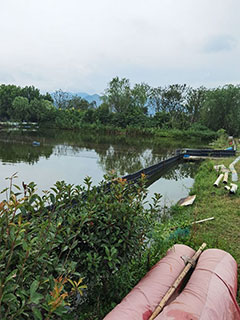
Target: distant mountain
<point>90,98</point>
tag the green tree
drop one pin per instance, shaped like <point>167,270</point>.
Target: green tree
<point>20,109</point>
<point>161,119</point>
<point>118,95</point>
<point>221,109</point>
<point>41,110</point>
<point>30,92</point>
<point>61,99</point>
<point>174,98</point>
<point>170,103</point>
<point>7,94</point>
<point>140,94</point>
<point>78,103</point>
<point>174,102</point>
<point>128,105</point>
<point>194,104</point>
<point>47,96</point>
<point>155,99</point>
<point>103,114</point>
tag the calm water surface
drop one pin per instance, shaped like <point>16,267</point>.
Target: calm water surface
<point>71,156</point>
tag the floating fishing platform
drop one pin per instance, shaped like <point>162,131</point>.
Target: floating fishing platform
<point>206,153</point>
<point>152,170</point>
<point>155,171</point>
<point>180,155</point>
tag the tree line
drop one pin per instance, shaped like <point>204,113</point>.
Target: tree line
<point>142,106</point>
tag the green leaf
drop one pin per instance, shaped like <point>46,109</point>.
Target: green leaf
<point>4,190</point>
<point>33,198</point>
<point>52,197</point>
<point>25,245</point>
<point>11,275</point>
<point>34,287</point>
<point>107,250</point>
<point>17,194</point>
<point>60,311</point>
<point>16,186</point>
<point>74,244</point>
<point>9,297</point>
<point>37,314</point>
<point>23,210</point>
<point>36,297</point>
<point>65,248</point>
<point>54,189</point>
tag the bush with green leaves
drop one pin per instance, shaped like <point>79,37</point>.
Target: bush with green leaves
<point>60,252</point>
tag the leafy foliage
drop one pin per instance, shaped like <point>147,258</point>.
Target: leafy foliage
<point>64,100</point>
<point>221,109</point>
<point>8,93</point>
<point>60,253</point>
<point>175,107</point>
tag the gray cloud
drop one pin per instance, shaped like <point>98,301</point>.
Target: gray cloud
<point>80,45</point>
<point>220,43</point>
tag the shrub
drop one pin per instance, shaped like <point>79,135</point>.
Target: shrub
<point>60,253</point>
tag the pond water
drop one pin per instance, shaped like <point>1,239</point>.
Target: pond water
<point>71,156</point>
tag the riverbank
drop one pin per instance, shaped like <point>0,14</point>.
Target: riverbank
<point>98,250</point>
<point>152,132</point>
<point>176,225</point>
<point>195,132</point>
<point>223,231</point>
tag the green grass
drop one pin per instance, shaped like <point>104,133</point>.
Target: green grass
<point>138,130</point>
<point>224,231</point>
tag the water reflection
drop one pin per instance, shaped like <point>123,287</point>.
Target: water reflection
<point>181,171</point>
<point>15,153</point>
<point>121,153</point>
<point>16,146</point>
<point>71,156</point>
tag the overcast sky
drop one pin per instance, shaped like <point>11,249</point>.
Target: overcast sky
<point>80,45</point>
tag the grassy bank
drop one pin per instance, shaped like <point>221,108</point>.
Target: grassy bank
<point>196,132</point>
<point>222,232</point>
<point>136,131</point>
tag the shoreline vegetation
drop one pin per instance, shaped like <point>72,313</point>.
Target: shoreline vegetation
<point>132,110</point>
<point>67,261</point>
<point>223,231</point>
<point>60,260</point>
<point>195,133</point>
<point>70,259</point>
